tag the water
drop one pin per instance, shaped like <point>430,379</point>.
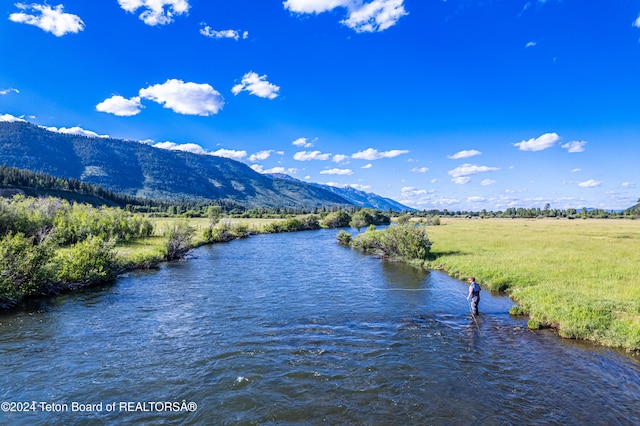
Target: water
<point>293,329</point>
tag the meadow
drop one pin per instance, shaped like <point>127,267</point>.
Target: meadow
<point>581,277</point>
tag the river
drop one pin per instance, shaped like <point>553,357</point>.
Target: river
<point>293,329</point>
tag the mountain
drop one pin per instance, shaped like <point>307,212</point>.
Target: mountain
<point>139,170</point>
<point>366,199</point>
<point>355,196</point>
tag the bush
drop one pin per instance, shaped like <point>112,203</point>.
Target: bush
<point>360,219</point>
<point>90,260</point>
<point>24,265</point>
<point>344,238</point>
<point>339,219</point>
<point>404,241</point>
<point>179,241</point>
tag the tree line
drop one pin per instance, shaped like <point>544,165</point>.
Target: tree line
<point>536,212</point>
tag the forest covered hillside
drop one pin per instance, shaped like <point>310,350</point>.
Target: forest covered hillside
<point>139,170</point>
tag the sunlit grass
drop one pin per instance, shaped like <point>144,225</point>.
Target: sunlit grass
<point>581,276</point>
<point>149,251</point>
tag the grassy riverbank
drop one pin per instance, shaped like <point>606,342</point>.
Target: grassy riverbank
<point>152,249</point>
<point>579,276</point>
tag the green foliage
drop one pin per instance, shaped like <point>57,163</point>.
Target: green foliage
<point>90,260</point>
<point>24,265</point>
<point>403,219</point>
<point>214,213</point>
<point>338,219</point>
<point>404,242</point>
<point>75,223</point>
<point>292,224</point>
<point>344,238</point>
<point>517,310</point>
<point>178,240</point>
<point>360,219</point>
<point>29,216</point>
<point>533,324</point>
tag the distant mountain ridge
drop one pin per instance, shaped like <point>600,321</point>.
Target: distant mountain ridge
<point>355,196</point>
<point>139,170</point>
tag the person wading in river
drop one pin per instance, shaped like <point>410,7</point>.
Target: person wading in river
<point>474,295</point>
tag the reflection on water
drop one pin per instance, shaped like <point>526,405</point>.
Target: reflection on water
<point>295,329</point>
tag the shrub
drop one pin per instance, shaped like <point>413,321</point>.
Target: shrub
<point>344,238</point>
<point>179,240</point>
<point>360,219</point>
<point>24,265</point>
<point>90,260</point>
<point>404,241</point>
<point>339,219</point>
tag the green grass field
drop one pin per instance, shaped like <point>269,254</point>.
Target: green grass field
<point>149,250</point>
<point>579,276</point>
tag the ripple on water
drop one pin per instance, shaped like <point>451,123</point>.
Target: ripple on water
<point>294,329</point>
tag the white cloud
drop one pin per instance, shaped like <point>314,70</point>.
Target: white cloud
<point>487,182</point>
<point>275,170</point>
<point>420,169</point>
<point>78,131</point>
<point>367,166</point>
<point>475,199</point>
<point>310,155</point>
<point>314,6</point>
<point>197,149</point>
<point>157,12</point>
<point>186,147</point>
<point>372,16</point>
<point>340,157</point>
<point>470,169</point>
<point>122,107</point>
<point>260,155</point>
<point>342,172</point>
<point>422,198</point>
<point>8,118</point>
<point>636,23</point>
<point>256,85</point>
<point>530,44</point>
<point>589,183</point>
<point>360,187</point>
<point>545,141</point>
<point>7,91</point>
<point>51,20</point>
<point>373,154</point>
<point>574,146</point>
<point>230,153</point>
<point>461,180</point>
<point>576,170</point>
<point>464,154</point>
<point>628,184</point>
<point>185,98</point>
<point>207,31</point>
<point>375,16</point>
<point>302,142</point>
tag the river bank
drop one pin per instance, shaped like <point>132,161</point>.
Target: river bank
<point>581,277</point>
<point>296,329</point>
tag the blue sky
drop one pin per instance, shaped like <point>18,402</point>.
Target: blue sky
<point>456,104</point>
